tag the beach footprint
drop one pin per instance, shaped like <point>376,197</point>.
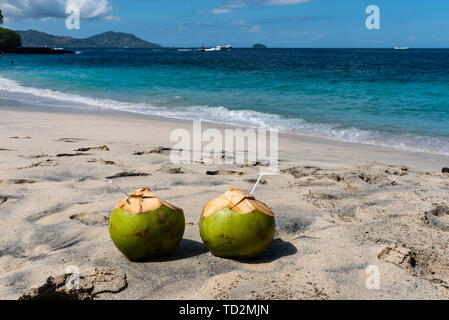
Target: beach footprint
<point>438,217</point>
<point>91,219</point>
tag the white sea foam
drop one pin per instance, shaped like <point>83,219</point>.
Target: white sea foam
<point>246,118</point>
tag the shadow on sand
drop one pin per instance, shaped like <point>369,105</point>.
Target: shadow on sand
<point>278,249</point>
<point>190,248</point>
<point>186,249</point>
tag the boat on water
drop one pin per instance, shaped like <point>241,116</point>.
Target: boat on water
<point>227,47</point>
<point>401,48</point>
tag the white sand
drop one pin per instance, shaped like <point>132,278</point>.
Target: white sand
<point>347,203</point>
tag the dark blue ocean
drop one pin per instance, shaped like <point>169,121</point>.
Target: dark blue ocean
<point>397,98</point>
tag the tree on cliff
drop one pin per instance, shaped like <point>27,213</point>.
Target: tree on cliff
<point>9,38</point>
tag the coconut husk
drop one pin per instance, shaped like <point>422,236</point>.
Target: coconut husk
<point>239,201</point>
<point>143,200</point>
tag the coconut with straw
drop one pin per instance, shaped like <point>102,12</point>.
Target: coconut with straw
<point>236,225</point>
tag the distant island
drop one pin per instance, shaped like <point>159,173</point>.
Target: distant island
<point>259,46</point>
<point>33,38</point>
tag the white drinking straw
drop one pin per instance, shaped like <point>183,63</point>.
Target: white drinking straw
<point>257,182</point>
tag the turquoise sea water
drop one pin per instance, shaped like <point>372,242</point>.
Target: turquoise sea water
<point>397,98</point>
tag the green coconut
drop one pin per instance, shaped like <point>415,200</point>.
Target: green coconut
<point>236,225</point>
<point>144,226</point>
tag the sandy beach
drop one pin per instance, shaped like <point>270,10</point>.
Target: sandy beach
<point>339,208</point>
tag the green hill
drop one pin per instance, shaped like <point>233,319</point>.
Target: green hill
<point>32,38</point>
<point>9,38</point>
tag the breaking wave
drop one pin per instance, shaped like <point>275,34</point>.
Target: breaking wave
<point>222,115</point>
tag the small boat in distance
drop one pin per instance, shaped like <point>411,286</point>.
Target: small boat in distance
<point>401,48</point>
<point>227,47</point>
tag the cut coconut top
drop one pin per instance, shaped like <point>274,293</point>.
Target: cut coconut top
<point>143,200</point>
<point>237,200</point>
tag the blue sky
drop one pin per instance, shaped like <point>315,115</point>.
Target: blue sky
<point>276,23</point>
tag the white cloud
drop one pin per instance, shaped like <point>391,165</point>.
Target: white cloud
<point>47,9</point>
<point>230,5</point>
<point>220,10</point>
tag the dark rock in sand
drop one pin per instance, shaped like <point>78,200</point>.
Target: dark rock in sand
<point>35,156</point>
<point>107,162</point>
<point>101,148</point>
<point>104,280</point>
<point>46,163</point>
<point>255,164</point>
<point>445,170</point>
<point>128,174</point>
<point>162,150</point>
<point>224,172</point>
<point>167,169</point>
<point>301,172</point>
<point>402,171</point>
<point>72,154</point>
<point>398,255</point>
<point>140,153</point>
<point>262,181</point>
<point>19,181</point>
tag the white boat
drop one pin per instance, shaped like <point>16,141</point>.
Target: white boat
<point>218,48</point>
<point>401,48</point>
